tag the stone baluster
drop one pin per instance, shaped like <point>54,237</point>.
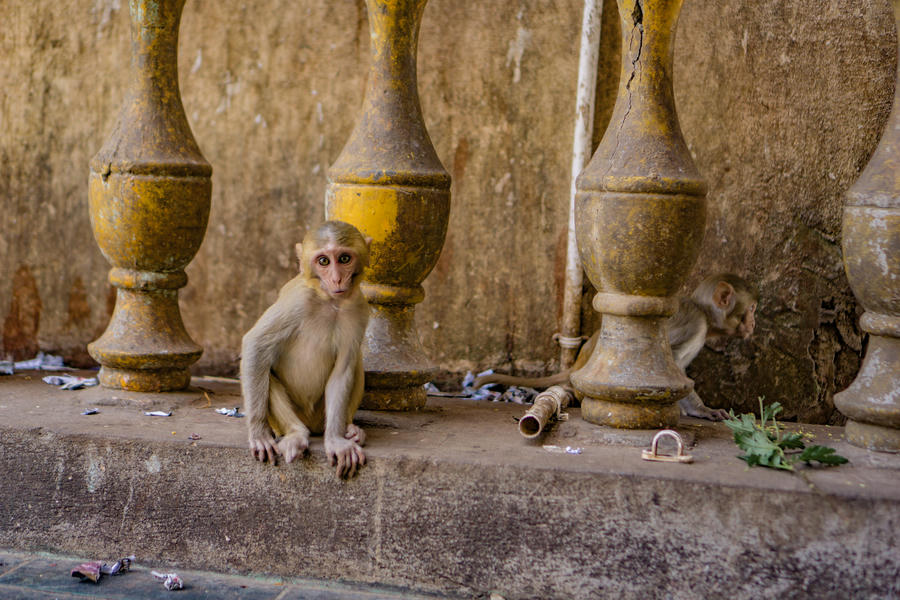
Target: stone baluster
<point>390,184</point>
<point>640,220</point>
<point>149,203</point>
<point>871,245</point>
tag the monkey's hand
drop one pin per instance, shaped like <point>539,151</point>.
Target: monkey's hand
<point>345,455</point>
<point>262,445</point>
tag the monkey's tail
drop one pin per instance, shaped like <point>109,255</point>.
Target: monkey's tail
<point>533,382</point>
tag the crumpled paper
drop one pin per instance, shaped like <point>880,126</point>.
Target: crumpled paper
<point>92,571</point>
<point>514,394</point>
<point>70,382</point>
<point>41,362</point>
<point>230,412</point>
<point>171,581</point>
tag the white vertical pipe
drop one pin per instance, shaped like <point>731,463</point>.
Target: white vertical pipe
<point>570,337</point>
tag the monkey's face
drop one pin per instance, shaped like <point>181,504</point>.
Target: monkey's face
<point>335,267</point>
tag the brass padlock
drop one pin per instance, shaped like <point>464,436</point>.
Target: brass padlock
<point>679,457</point>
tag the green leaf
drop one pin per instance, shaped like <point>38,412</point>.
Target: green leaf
<point>769,412</point>
<point>743,425</point>
<point>792,440</point>
<point>822,454</point>
<point>760,449</point>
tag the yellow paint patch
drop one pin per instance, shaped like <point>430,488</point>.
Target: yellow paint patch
<point>372,209</point>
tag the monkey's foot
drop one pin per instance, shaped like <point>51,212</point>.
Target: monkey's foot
<point>718,414</point>
<point>293,445</point>
<point>345,455</point>
<point>355,434</point>
<point>711,414</point>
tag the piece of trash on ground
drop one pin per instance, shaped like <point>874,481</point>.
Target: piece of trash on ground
<point>90,411</point>
<point>89,571</point>
<point>41,362</point>
<point>121,566</point>
<point>514,394</point>
<point>158,413</point>
<point>70,382</point>
<point>561,450</point>
<point>230,412</point>
<point>519,395</point>
<point>93,570</point>
<point>171,581</point>
<point>194,437</point>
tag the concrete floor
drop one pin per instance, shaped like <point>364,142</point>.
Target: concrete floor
<point>453,501</point>
<point>30,576</point>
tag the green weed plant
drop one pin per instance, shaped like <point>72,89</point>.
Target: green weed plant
<point>768,446</point>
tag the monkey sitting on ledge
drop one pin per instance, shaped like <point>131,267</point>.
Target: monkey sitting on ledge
<point>723,305</point>
<point>301,363</point>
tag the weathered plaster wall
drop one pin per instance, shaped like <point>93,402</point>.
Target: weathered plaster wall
<point>781,102</point>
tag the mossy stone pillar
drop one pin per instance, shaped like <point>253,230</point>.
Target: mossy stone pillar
<point>149,203</point>
<point>640,218</point>
<point>871,245</point>
<point>390,184</point>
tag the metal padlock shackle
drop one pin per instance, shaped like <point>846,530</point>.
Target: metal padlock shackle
<point>679,457</point>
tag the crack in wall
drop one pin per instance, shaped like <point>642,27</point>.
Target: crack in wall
<point>637,19</point>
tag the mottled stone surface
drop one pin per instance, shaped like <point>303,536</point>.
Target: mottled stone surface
<point>781,104</point>
<point>453,500</point>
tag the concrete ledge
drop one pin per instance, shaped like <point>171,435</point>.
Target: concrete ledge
<point>452,501</point>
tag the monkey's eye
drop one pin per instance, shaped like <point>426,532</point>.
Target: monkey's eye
<point>323,261</point>
<point>344,259</point>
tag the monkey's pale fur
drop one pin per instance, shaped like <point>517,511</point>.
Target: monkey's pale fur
<point>301,363</point>
<point>722,305</point>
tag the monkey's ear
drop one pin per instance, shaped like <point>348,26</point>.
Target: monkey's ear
<point>368,240</point>
<point>723,295</point>
<point>298,248</point>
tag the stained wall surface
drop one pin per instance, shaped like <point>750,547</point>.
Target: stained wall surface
<point>781,102</point>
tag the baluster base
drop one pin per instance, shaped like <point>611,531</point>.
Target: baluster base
<point>871,403</point>
<point>145,380</point>
<point>623,415</point>
<point>631,380</point>
<point>394,360</point>
<point>145,347</point>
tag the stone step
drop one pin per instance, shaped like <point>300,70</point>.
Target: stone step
<point>453,501</point>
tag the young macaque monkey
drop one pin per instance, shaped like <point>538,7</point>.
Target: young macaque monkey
<point>723,305</point>
<point>301,363</point>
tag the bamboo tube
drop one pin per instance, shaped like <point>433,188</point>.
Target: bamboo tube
<point>548,404</point>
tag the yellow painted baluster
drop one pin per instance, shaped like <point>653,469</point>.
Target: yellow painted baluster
<point>390,184</point>
<point>149,203</point>
<point>640,218</point>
